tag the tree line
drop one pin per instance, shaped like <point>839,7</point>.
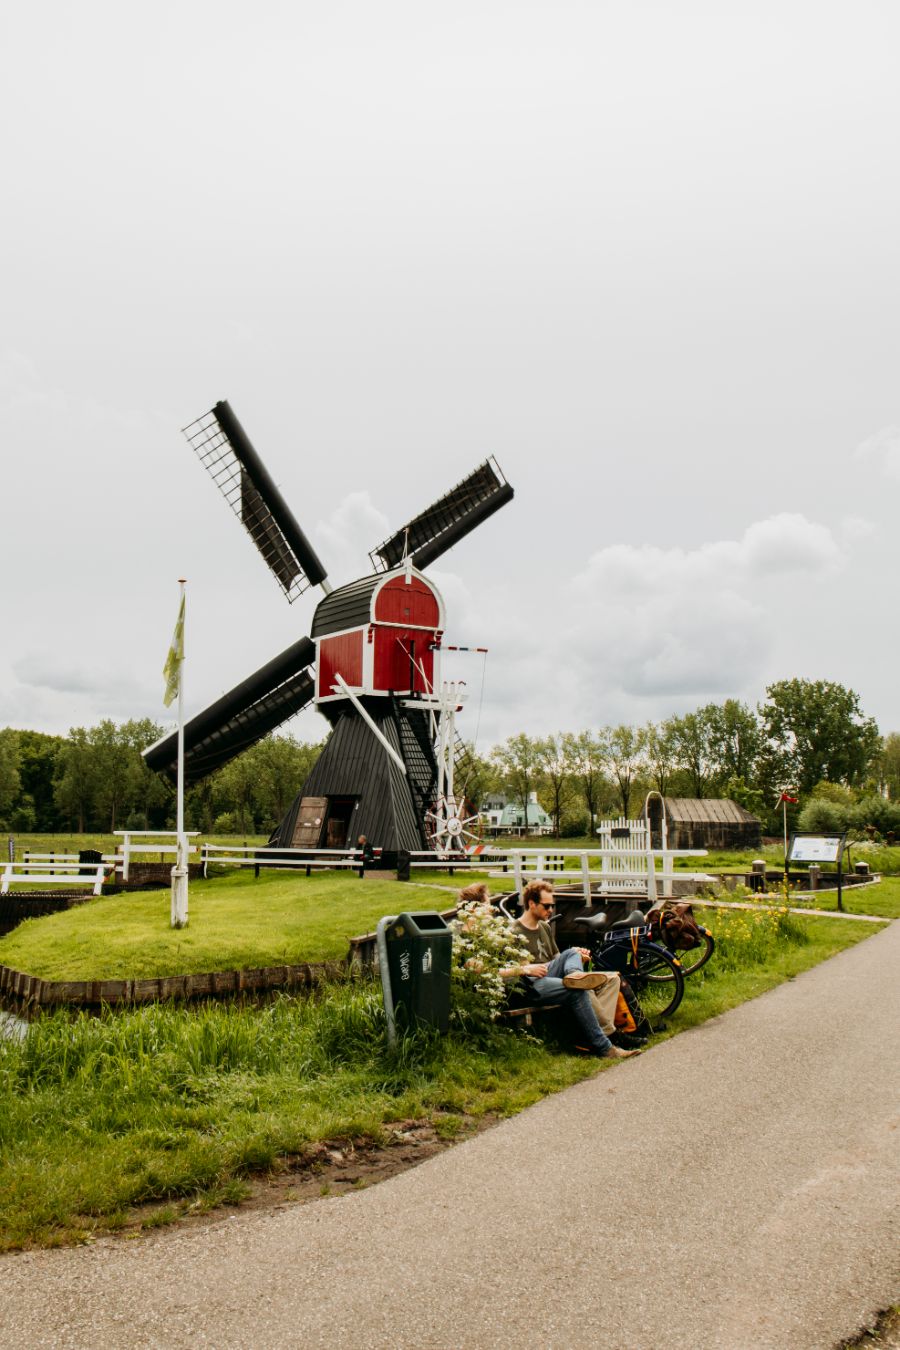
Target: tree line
<point>95,781</point>
<point>805,734</point>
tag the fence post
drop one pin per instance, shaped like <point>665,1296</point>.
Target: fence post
<point>651,874</point>
<point>586,878</point>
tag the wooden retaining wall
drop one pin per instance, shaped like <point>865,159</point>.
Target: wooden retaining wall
<point>31,991</point>
<point>16,907</point>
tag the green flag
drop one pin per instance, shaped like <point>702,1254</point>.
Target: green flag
<point>172,668</point>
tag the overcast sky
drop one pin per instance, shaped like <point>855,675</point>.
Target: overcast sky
<point>644,254</point>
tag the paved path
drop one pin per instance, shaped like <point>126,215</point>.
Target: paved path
<point>748,1200</point>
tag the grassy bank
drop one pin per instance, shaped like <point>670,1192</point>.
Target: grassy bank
<point>236,922</point>
<point>163,1110</point>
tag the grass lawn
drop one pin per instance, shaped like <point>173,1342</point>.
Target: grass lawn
<point>236,922</point>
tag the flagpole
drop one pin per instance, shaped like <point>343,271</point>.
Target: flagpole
<point>179,871</point>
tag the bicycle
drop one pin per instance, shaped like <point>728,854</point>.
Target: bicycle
<point>654,973</point>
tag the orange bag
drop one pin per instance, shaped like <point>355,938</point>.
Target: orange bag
<point>623,1018</point>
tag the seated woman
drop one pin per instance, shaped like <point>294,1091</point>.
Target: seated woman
<point>477,894</point>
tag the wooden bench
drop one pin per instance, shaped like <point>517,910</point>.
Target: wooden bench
<point>53,874</point>
<point>525,1015</point>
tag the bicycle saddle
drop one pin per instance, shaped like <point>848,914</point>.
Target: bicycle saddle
<point>590,920</point>
<point>636,919</point>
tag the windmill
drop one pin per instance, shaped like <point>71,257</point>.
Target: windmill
<point>371,665</point>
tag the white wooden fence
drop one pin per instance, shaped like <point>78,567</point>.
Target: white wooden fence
<point>616,871</point>
<point>39,872</point>
<point>148,841</point>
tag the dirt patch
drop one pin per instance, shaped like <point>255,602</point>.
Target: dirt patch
<point>884,1334</point>
<point>332,1167</point>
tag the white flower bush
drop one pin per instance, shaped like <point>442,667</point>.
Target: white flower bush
<point>483,945</point>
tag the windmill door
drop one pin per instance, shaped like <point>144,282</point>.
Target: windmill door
<point>337,824</point>
<point>308,825</point>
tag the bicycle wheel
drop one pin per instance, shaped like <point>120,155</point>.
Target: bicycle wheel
<point>697,956</point>
<point>658,981</point>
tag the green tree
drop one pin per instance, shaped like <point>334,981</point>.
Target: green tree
<point>113,772</point>
<point>889,765</point>
<point>519,761</point>
<point>736,739</point>
<point>556,771</point>
<point>73,787</point>
<point>147,794</point>
<point>235,790</point>
<point>281,765</point>
<point>10,777</point>
<point>660,754</point>
<point>751,798</point>
<point>474,777</point>
<point>39,755</point>
<point>693,741</point>
<point>625,756</point>
<point>815,730</point>
<point>584,751</point>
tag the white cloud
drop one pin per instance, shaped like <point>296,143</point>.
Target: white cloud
<point>345,538</point>
<point>645,627</point>
<point>77,692</point>
<point>884,448</point>
<point>856,528</point>
<point>641,631</point>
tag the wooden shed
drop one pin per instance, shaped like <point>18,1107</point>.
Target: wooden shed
<point>704,822</point>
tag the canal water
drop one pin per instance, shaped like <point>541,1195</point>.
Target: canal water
<point>12,1028</point>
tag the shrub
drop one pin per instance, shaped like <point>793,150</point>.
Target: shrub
<point>824,816</point>
<point>483,945</point>
<point>831,816</point>
<point>877,811</point>
<point>226,823</point>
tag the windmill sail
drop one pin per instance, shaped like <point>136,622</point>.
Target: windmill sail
<point>223,448</point>
<point>241,717</point>
<point>448,520</point>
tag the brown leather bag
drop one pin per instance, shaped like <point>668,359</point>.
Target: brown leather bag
<point>674,925</point>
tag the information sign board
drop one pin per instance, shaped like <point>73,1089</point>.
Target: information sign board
<point>815,848</point>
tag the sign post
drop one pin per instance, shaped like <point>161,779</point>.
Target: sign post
<point>784,799</point>
<point>819,848</point>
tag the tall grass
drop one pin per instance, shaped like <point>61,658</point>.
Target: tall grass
<point>746,938</point>
<point>163,1104</point>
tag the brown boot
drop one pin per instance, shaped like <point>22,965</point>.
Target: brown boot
<point>585,979</point>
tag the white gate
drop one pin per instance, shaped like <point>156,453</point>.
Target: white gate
<point>629,842</point>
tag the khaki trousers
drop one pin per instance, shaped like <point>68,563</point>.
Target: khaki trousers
<point>604,1001</point>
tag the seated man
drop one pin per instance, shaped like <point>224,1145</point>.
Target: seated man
<point>559,977</point>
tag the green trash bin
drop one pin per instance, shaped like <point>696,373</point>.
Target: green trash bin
<point>418,949</point>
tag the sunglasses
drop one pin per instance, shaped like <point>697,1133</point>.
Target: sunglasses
<point>546,904</point>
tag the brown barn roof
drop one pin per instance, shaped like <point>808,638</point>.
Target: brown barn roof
<point>708,811</point>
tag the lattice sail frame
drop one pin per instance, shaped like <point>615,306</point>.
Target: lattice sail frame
<point>484,491</point>
<point>212,447</point>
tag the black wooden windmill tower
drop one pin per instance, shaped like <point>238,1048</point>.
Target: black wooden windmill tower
<point>371,664</point>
